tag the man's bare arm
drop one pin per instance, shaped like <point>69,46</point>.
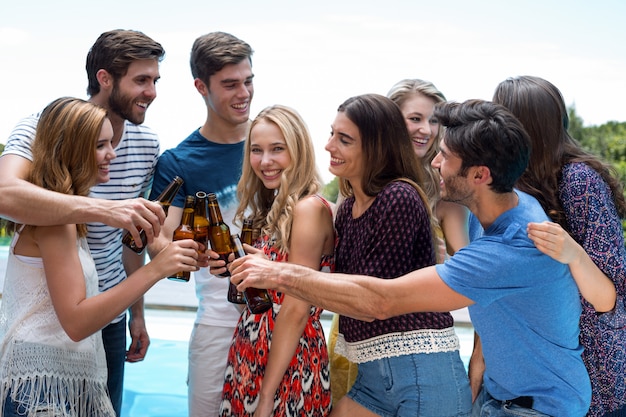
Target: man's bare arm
<point>24,202</point>
<point>361,297</point>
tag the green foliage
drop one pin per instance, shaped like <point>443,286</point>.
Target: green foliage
<point>331,190</point>
<point>608,141</point>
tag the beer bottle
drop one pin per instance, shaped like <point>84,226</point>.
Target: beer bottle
<point>185,231</point>
<point>219,236</point>
<point>258,300</point>
<point>165,199</point>
<point>246,232</point>
<point>200,220</point>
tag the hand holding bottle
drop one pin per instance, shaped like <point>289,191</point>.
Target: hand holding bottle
<point>180,255</point>
<point>217,266</point>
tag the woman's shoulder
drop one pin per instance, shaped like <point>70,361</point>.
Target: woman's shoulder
<point>578,170</point>
<point>313,205</point>
<point>399,192</point>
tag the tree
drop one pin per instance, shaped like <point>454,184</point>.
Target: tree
<point>331,190</point>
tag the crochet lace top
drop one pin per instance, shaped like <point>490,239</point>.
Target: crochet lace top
<point>40,366</point>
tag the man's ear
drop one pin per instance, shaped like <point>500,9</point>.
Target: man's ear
<point>481,174</point>
<point>104,79</point>
<point>201,87</point>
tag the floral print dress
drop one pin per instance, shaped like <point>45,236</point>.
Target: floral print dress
<point>305,388</point>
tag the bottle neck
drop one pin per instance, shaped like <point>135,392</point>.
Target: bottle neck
<point>187,218</point>
<point>215,215</point>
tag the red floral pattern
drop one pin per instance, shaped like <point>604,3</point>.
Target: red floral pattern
<point>305,388</point>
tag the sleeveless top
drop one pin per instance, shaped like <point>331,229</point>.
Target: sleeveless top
<point>305,388</point>
<point>39,364</point>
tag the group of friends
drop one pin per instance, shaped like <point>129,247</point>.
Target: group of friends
<point>489,205</point>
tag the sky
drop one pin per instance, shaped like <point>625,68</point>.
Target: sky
<point>313,55</point>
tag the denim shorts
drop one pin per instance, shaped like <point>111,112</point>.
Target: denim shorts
<point>42,409</point>
<point>420,384</point>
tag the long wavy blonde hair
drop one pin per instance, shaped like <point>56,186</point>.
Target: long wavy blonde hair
<point>272,210</point>
<point>401,92</point>
<point>64,149</point>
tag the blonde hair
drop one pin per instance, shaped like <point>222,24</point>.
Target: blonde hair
<point>399,93</point>
<point>272,210</point>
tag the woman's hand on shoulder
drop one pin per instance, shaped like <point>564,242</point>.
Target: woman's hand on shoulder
<point>551,239</point>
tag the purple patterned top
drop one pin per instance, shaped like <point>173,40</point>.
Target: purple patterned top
<point>390,239</point>
<point>595,224</point>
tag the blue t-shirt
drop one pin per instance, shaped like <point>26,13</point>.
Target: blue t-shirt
<point>213,168</point>
<point>526,314</point>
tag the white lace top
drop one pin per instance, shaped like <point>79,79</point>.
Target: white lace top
<point>39,364</point>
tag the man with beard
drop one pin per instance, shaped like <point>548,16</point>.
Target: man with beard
<point>122,69</point>
<point>523,304</point>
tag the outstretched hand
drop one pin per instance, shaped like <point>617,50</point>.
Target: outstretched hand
<point>218,266</point>
<point>551,239</point>
<point>255,271</point>
<point>135,214</point>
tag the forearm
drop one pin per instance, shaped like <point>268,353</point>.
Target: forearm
<point>361,297</point>
<point>592,283</point>
<point>26,203</point>
<point>94,313</point>
<point>288,329</point>
<point>334,292</point>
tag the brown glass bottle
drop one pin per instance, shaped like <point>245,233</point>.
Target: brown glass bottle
<point>200,220</point>
<point>246,232</point>
<point>165,199</point>
<point>219,236</point>
<point>185,231</point>
<point>258,300</point>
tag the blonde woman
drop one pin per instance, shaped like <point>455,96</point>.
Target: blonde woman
<point>278,361</point>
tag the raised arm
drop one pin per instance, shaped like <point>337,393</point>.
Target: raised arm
<point>361,297</point>
<point>26,203</point>
<point>82,316</point>
<point>593,284</point>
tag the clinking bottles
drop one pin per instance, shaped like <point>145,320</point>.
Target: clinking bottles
<point>219,235</point>
<point>165,199</point>
<point>200,220</point>
<point>185,231</point>
<point>246,232</point>
<point>258,300</point>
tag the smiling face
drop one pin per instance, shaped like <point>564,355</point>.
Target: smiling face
<point>423,128</point>
<point>346,150</point>
<point>454,186</point>
<point>269,156</point>
<point>104,151</point>
<point>132,94</point>
<point>230,92</point>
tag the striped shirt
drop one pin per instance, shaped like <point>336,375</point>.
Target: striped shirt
<point>131,175</point>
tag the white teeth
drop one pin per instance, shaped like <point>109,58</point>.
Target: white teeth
<point>336,161</point>
<point>271,173</point>
<point>240,106</point>
<point>143,105</point>
<point>421,141</point>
